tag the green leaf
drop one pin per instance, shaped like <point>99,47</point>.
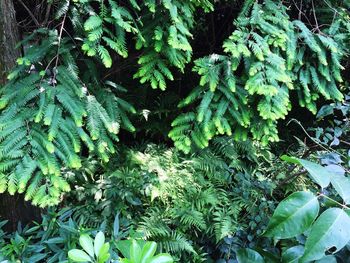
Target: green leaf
<point>342,185</point>
<point>78,255</point>
<point>290,159</point>
<point>292,255</point>
<point>104,255</point>
<point>92,22</point>
<point>98,243</point>
<point>105,56</point>
<point>332,229</point>
<point>162,258</point>
<point>116,226</point>
<point>293,215</point>
<point>268,256</point>
<point>86,243</point>
<point>135,251</point>
<point>124,247</point>
<point>318,173</point>
<point>327,259</point>
<point>248,255</point>
<point>325,111</point>
<point>148,251</point>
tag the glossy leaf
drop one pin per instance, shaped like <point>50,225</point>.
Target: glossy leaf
<point>331,229</point>
<point>341,184</point>
<point>268,256</point>
<point>335,169</point>
<point>293,254</point>
<point>293,215</point>
<point>248,255</point>
<point>318,173</point>
<point>162,258</point>
<point>148,251</point>
<point>86,243</point>
<point>78,255</point>
<point>98,243</point>
<point>104,253</point>
<point>327,259</point>
<point>135,251</point>
<point>124,247</point>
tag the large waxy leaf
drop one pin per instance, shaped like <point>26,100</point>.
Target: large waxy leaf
<point>135,251</point>
<point>162,258</point>
<point>292,255</point>
<point>124,247</point>
<point>78,255</point>
<point>293,215</point>
<point>327,259</point>
<point>148,251</point>
<point>318,173</point>
<point>331,229</point>
<point>99,242</point>
<point>247,255</point>
<point>342,185</point>
<point>103,253</point>
<point>268,256</point>
<point>86,243</point>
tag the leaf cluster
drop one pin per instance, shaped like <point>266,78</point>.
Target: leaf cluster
<point>246,91</point>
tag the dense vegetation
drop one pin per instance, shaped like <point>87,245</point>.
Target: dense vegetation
<point>177,131</point>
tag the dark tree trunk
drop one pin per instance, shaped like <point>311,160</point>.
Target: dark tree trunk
<point>12,208</point>
<point>8,38</point>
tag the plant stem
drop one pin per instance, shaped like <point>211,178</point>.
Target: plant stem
<point>342,205</point>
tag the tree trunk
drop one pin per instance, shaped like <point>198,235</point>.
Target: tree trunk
<point>12,208</point>
<point>8,38</point>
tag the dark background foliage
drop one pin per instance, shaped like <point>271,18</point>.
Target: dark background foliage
<point>213,200</point>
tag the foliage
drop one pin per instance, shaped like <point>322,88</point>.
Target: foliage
<point>48,117</point>
<point>50,240</point>
<point>299,214</point>
<point>93,250</point>
<point>337,127</point>
<point>80,130</point>
<point>246,91</point>
<point>144,253</point>
<point>180,203</point>
<point>98,251</point>
<point>55,240</point>
<point>161,30</point>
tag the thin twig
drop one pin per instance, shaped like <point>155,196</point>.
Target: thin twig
<point>301,12</point>
<point>340,204</point>
<point>292,177</point>
<point>345,142</point>
<point>47,14</point>
<point>314,11</point>
<point>30,13</point>
<point>315,141</point>
<point>59,44</point>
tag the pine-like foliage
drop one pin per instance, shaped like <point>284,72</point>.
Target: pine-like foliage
<point>106,28</point>
<point>166,39</point>
<point>50,118</point>
<point>245,92</point>
<point>161,29</point>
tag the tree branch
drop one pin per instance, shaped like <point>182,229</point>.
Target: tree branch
<point>30,13</point>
